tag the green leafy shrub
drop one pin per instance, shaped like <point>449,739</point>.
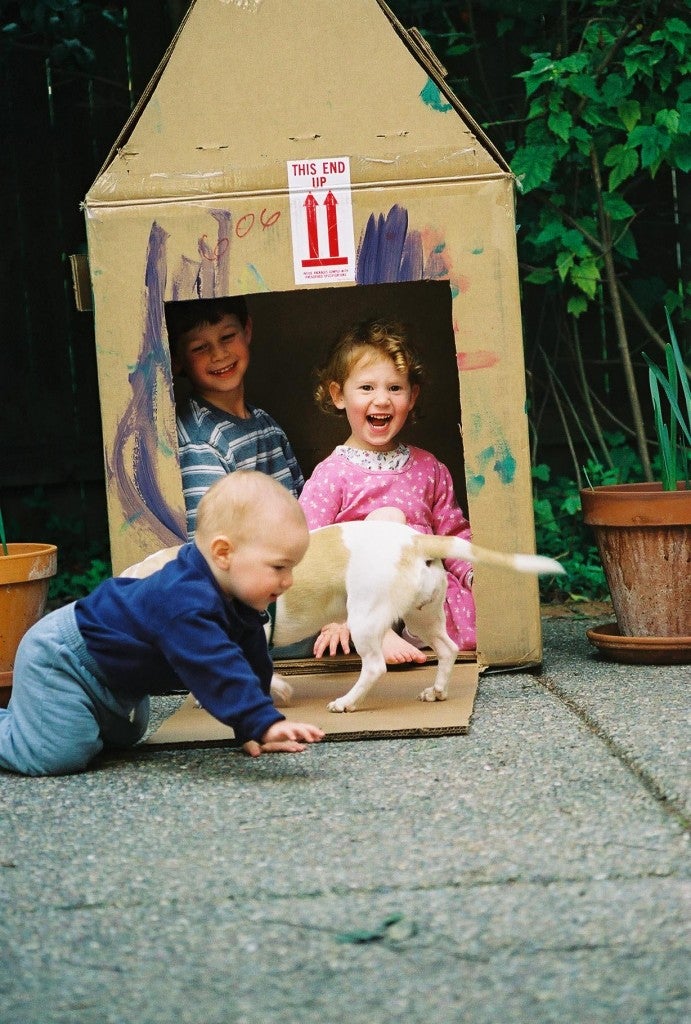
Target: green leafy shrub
<point>78,580</point>
<point>673,428</point>
<point>561,534</point>
<point>559,527</point>
<point>607,110</point>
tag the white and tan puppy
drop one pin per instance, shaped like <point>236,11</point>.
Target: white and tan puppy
<point>374,574</point>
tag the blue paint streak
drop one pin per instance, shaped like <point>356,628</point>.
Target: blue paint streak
<point>257,277</point>
<point>413,263</point>
<point>380,256</point>
<point>145,389</point>
<point>366,272</point>
<point>137,484</point>
<point>390,253</point>
<point>431,95</point>
<point>474,483</point>
<point>502,463</point>
<point>505,467</point>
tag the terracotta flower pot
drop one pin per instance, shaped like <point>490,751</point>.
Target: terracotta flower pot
<point>25,574</point>
<point>643,535</point>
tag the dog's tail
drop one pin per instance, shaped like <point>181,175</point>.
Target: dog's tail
<point>454,547</point>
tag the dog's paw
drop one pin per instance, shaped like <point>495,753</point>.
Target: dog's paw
<point>338,706</point>
<point>431,694</point>
<point>281,690</point>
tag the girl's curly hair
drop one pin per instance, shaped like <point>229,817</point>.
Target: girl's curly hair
<point>384,338</point>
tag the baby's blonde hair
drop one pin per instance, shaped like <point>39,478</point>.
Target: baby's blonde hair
<point>384,338</point>
<point>239,504</point>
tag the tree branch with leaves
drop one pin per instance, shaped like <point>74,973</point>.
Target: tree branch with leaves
<point>613,110</point>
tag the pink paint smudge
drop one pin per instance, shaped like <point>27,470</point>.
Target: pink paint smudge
<point>480,360</point>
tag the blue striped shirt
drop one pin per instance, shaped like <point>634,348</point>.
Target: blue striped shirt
<point>213,443</point>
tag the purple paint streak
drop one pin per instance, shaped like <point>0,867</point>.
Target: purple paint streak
<point>184,284</point>
<point>388,252</point>
<point>137,484</point>
<point>208,277</point>
<point>136,480</point>
<point>412,262</point>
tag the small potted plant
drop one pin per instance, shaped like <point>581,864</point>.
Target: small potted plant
<point>25,572</point>
<point>643,534</point>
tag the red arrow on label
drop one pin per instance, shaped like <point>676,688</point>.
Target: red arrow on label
<point>332,223</point>
<point>312,239</point>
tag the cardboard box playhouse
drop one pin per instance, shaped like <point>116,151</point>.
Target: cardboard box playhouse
<point>308,154</point>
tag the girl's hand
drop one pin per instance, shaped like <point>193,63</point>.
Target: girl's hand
<point>284,738</point>
<point>333,634</point>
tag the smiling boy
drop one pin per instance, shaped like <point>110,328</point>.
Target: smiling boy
<point>218,431</point>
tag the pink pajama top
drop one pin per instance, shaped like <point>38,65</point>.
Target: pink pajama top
<point>340,490</point>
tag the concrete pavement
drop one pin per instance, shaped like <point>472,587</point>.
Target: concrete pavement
<point>535,870</point>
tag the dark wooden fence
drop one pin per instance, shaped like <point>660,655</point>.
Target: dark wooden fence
<point>57,126</point>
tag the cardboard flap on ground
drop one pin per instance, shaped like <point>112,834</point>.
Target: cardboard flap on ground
<point>391,710</point>
<point>207,192</point>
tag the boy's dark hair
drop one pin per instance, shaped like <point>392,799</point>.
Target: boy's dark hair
<point>184,316</point>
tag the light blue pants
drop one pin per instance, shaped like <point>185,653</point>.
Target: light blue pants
<point>60,714</point>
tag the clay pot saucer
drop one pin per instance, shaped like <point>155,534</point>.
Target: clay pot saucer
<point>640,650</point>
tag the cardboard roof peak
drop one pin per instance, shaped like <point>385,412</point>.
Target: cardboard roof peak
<point>247,85</point>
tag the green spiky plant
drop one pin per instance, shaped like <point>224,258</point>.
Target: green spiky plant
<point>673,429</point>
<point>3,539</point>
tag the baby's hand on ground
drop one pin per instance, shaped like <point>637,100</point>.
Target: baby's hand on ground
<point>284,738</point>
<point>331,635</point>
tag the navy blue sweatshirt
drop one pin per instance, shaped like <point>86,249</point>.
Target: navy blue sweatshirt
<point>176,629</point>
